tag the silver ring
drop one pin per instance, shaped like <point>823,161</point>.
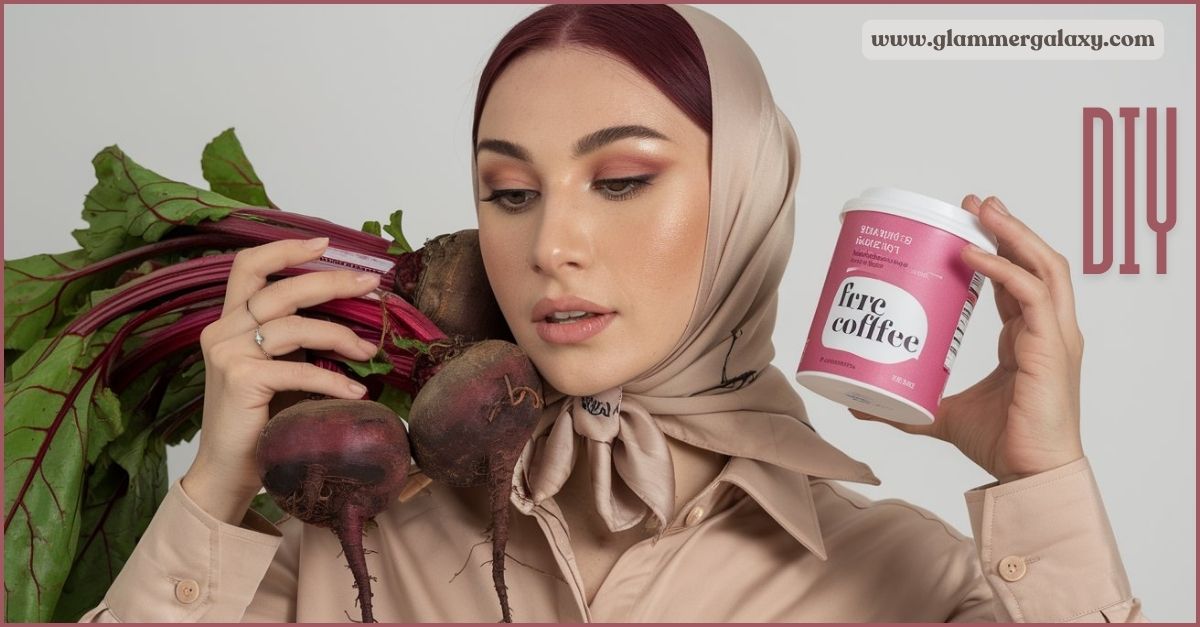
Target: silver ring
<point>258,339</point>
<point>252,316</point>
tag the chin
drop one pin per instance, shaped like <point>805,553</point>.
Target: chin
<point>573,372</point>
<point>572,379</point>
<point>577,388</point>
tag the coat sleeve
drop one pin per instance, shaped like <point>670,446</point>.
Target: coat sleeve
<point>1046,553</point>
<point>191,567</point>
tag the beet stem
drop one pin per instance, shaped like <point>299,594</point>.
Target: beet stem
<point>350,533</point>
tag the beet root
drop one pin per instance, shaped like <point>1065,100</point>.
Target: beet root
<point>447,281</point>
<point>336,464</point>
<point>468,425</point>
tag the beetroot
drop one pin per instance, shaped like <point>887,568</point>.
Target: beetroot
<point>469,424</point>
<point>336,464</point>
<point>446,280</point>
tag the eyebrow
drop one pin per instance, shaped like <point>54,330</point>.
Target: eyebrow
<point>588,143</point>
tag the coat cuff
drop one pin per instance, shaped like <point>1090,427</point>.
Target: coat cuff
<point>1046,546</point>
<point>189,566</point>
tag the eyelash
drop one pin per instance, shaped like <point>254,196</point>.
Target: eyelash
<point>639,184</point>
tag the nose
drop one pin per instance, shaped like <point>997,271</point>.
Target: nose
<point>562,242</point>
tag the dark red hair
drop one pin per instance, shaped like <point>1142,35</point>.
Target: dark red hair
<point>654,39</point>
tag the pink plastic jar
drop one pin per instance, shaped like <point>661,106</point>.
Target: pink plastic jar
<point>895,305</point>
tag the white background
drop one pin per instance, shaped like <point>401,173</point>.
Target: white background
<point>352,112</point>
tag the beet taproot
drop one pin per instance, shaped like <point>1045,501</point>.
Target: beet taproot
<point>447,281</point>
<point>468,425</point>
<point>336,463</point>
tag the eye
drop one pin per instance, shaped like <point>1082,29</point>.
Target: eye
<point>514,200</point>
<point>498,198</point>
<point>624,189</point>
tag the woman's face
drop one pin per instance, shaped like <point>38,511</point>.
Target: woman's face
<point>619,220</point>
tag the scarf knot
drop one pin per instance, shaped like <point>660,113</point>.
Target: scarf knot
<point>627,454</point>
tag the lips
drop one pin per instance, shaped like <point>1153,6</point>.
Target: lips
<point>573,332</point>
<point>548,306</point>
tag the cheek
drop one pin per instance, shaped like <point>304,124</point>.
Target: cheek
<point>664,266</point>
<point>500,248</point>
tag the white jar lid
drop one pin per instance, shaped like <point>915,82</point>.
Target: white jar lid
<point>922,208</point>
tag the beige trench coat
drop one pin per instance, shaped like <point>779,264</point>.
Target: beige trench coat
<point>760,543</point>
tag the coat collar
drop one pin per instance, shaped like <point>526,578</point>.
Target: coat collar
<point>773,454</point>
<point>786,495</point>
<point>772,459</point>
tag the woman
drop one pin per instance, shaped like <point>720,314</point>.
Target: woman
<point>632,157</point>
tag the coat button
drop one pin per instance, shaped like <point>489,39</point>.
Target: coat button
<point>187,591</point>
<point>1012,568</point>
<point>694,516</point>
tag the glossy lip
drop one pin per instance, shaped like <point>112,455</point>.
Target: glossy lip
<point>547,306</point>
<point>573,332</point>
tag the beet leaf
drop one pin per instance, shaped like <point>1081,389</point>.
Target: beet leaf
<point>229,172</point>
<point>55,425</point>
<point>103,369</point>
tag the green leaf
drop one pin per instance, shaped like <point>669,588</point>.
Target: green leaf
<point>229,172</point>
<point>410,344</point>
<point>400,245</point>
<point>115,513</point>
<point>183,405</point>
<point>130,206</point>
<point>43,293</point>
<point>129,451</point>
<point>127,275</point>
<point>265,505</point>
<point>372,227</point>
<point>105,421</point>
<point>56,423</point>
<point>9,357</point>
<point>378,364</point>
<point>397,399</point>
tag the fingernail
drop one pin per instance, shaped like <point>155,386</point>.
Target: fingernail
<point>317,243</point>
<point>973,248</point>
<point>367,347</point>
<point>999,205</point>
<point>357,388</point>
<point>366,277</point>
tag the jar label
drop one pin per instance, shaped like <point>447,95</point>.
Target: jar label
<point>875,320</point>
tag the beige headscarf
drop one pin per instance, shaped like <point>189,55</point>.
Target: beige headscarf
<point>717,389</point>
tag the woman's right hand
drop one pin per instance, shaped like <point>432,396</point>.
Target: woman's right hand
<point>240,380</point>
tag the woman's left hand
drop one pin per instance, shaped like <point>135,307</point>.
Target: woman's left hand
<point>1023,418</point>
